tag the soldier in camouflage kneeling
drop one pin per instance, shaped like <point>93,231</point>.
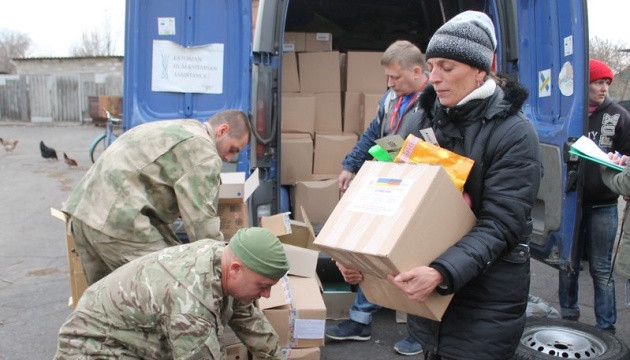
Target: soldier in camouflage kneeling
<point>175,303</point>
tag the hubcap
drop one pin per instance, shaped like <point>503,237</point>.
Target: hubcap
<point>563,342</point>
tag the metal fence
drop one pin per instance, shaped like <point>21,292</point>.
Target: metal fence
<point>53,98</point>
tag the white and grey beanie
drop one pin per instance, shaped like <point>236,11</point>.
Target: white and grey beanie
<point>468,38</point>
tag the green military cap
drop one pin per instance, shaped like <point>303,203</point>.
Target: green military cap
<point>260,251</point>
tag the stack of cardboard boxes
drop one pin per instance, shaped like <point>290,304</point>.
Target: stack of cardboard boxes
<point>328,99</point>
<point>295,308</point>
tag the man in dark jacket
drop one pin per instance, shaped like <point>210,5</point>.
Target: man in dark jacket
<point>609,128</point>
<point>475,114</point>
<point>398,113</point>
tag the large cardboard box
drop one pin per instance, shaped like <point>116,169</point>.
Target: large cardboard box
<point>317,198</point>
<point>294,41</point>
<point>352,116</point>
<point>330,150</point>
<point>296,311</point>
<point>292,232</point>
<point>392,218</point>
<point>328,112</point>
<point>290,77</point>
<point>304,354</point>
<point>364,72</point>
<point>296,158</point>
<point>234,191</point>
<point>320,41</point>
<point>369,106</point>
<point>320,72</point>
<point>298,113</point>
<point>301,354</point>
<point>78,282</point>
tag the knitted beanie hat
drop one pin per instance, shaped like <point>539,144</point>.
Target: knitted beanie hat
<point>468,38</point>
<point>260,251</point>
<point>599,70</point>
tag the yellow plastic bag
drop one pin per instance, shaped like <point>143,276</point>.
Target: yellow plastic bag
<point>416,150</point>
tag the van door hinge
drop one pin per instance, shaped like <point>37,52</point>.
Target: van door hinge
<point>265,58</point>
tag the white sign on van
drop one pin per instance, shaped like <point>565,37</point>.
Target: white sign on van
<point>196,69</point>
<point>166,26</point>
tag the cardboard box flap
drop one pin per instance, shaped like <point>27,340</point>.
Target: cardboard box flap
<point>278,224</point>
<point>294,291</point>
<point>302,262</point>
<point>235,186</point>
<point>277,296</point>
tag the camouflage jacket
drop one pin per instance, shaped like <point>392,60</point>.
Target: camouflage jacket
<point>165,305</point>
<point>150,176</point>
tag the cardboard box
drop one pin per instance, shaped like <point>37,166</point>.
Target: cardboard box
<point>233,216</point>
<point>296,311</point>
<point>320,72</point>
<point>317,198</point>
<point>320,41</point>
<point>235,188</point>
<point>78,282</point>
<point>352,116</point>
<point>330,150</point>
<point>233,194</point>
<point>292,232</point>
<point>365,72</point>
<point>236,352</point>
<point>304,354</point>
<point>302,261</point>
<point>296,158</point>
<point>294,41</point>
<point>338,298</point>
<point>392,218</point>
<point>328,112</point>
<point>313,353</point>
<point>401,317</point>
<point>369,106</point>
<point>298,113</point>
<point>290,77</point>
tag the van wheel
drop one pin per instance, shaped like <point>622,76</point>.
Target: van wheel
<point>547,338</point>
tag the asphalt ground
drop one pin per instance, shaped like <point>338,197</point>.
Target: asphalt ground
<point>34,278</point>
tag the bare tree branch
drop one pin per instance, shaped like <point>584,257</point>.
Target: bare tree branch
<point>95,42</point>
<point>610,53</point>
<point>12,45</point>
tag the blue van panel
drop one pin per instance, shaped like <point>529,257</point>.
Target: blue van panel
<point>196,22</point>
<point>552,64</point>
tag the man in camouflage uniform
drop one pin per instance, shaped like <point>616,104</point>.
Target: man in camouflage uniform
<point>175,303</point>
<point>150,176</point>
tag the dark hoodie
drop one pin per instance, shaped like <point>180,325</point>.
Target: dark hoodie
<point>487,270</point>
<point>609,128</point>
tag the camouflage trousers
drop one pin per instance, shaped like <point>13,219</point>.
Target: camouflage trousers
<point>101,254</point>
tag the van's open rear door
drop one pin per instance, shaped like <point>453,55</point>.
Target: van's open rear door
<point>186,59</point>
<point>553,48</point>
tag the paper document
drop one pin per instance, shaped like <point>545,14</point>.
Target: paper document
<point>587,149</point>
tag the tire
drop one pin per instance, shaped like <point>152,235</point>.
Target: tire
<point>97,147</point>
<point>547,338</point>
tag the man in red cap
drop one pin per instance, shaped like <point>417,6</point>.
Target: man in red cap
<point>609,128</point>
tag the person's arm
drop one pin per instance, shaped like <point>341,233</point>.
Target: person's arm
<point>256,333</point>
<point>192,337</point>
<point>618,182</point>
<point>197,192</point>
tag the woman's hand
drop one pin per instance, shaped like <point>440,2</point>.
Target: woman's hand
<point>351,276</point>
<point>418,282</point>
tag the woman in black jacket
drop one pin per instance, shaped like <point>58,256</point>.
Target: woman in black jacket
<point>478,115</point>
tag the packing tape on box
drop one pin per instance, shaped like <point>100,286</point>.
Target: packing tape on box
<point>292,311</point>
